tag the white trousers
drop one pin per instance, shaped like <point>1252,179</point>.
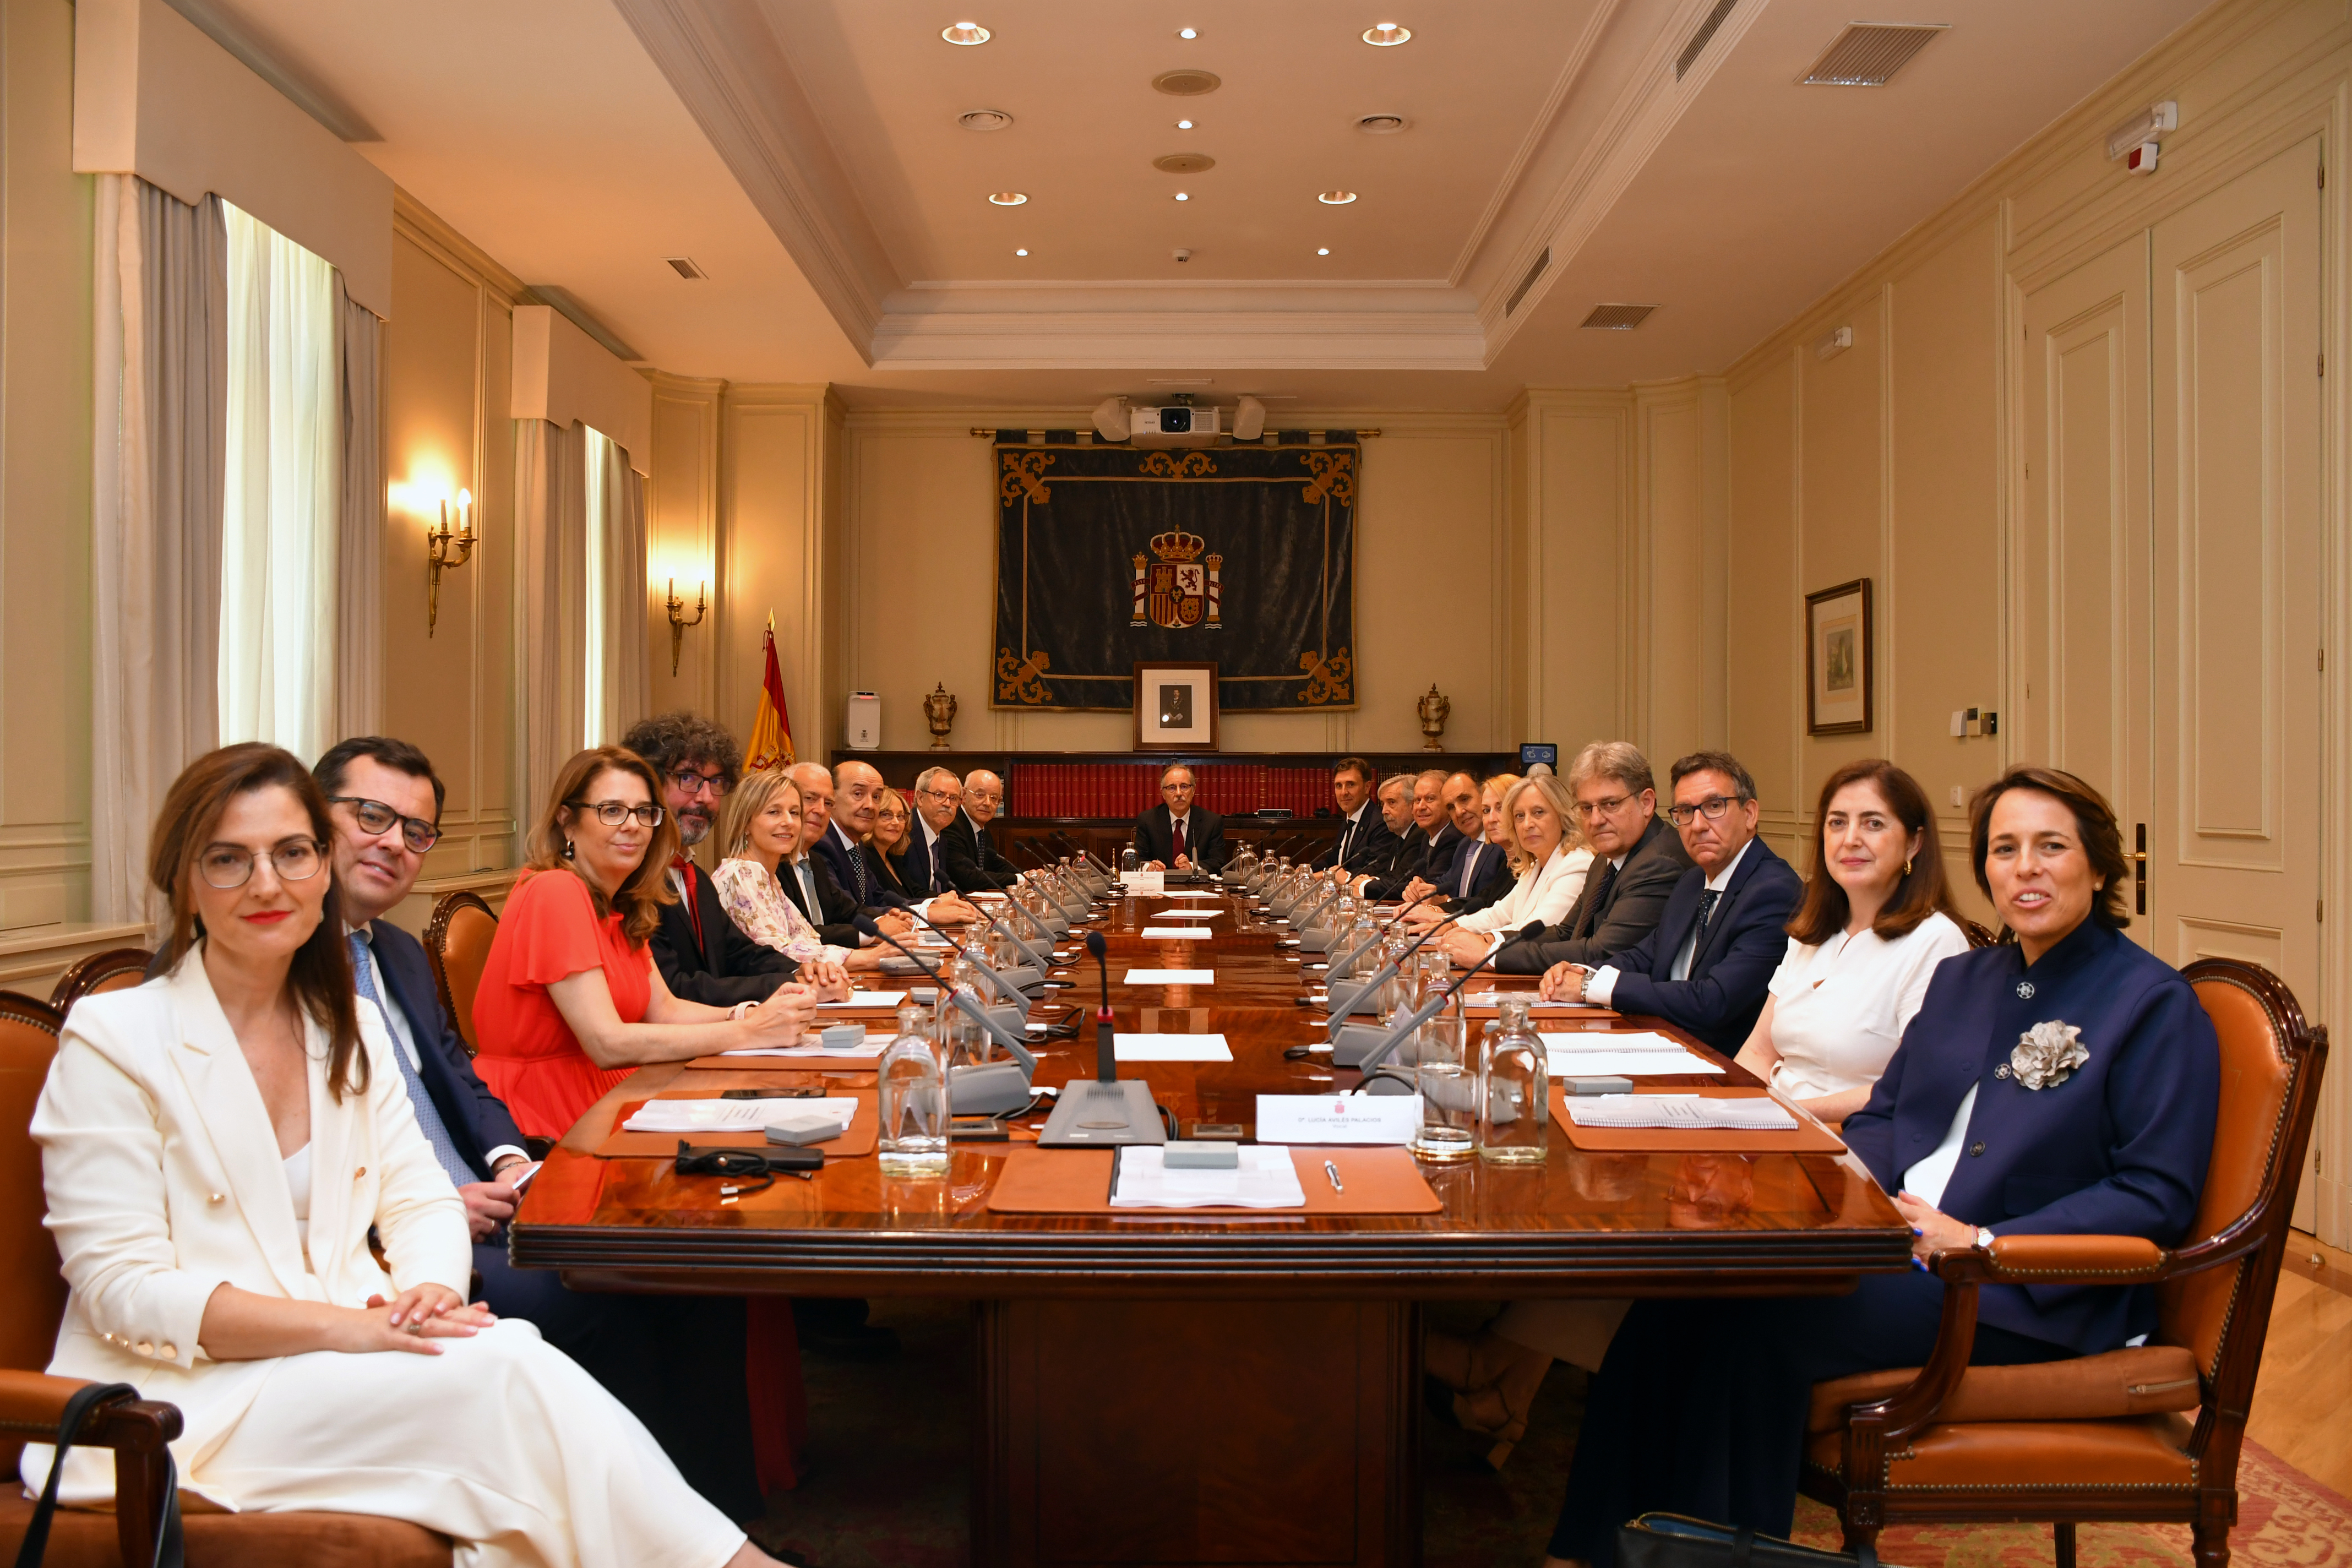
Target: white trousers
<point>1576,1329</point>
<point>502,1443</point>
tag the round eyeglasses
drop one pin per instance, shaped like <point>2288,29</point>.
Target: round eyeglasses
<point>612,813</point>
<point>375,817</point>
<point>227,866</point>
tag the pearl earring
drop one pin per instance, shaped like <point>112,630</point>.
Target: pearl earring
<point>568,852</point>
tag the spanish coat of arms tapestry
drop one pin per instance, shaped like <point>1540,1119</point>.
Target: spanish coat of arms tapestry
<point>1108,555</point>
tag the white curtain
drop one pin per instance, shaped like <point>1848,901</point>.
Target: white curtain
<point>161,388</point>
<point>282,492</point>
<point>360,524</point>
<point>616,677</point>
<point>551,587</point>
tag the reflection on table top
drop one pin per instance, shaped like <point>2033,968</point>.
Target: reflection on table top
<point>1579,1223</point>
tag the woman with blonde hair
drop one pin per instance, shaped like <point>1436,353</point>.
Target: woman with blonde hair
<point>195,1135</point>
<point>1552,866</point>
<point>886,848</point>
<point>761,832</point>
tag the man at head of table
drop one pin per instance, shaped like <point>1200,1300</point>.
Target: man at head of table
<point>1176,834</point>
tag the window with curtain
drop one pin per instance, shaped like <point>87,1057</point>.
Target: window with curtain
<point>594,677</point>
<point>282,492</point>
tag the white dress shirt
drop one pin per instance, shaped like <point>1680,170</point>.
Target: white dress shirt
<point>405,1043</point>
<point>1354,820</point>
<point>1603,982</point>
<point>1839,1010</point>
<point>1927,1179</point>
<point>1543,893</point>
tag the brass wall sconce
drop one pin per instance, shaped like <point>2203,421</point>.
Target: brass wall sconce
<point>446,551</point>
<point>679,623</point>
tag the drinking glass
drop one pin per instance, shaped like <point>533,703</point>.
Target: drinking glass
<point>1449,1109</point>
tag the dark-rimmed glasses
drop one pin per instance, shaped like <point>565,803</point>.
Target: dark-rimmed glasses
<point>375,817</point>
<point>227,866</point>
<point>689,783</point>
<point>1712,807</point>
<point>612,813</point>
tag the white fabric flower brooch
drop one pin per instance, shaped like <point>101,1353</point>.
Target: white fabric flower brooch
<point>2048,1054</point>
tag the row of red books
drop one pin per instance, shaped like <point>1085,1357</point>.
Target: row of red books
<point>1126,789</point>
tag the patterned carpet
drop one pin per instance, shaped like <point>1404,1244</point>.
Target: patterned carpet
<point>887,1487</point>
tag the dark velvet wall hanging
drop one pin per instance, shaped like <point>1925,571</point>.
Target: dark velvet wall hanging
<point>1107,555</point>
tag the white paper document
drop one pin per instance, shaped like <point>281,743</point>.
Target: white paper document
<point>1142,882</point>
<point>1633,1055</point>
<point>1176,933</point>
<point>862,1000</point>
<point>1681,1112</point>
<point>1170,977</point>
<point>733,1115</point>
<point>1266,1179</point>
<point>1338,1118</point>
<point>1495,998</point>
<point>1187,915</point>
<point>1141,1047</point>
<point>1182,893</point>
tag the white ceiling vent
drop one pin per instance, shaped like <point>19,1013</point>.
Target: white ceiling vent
<point>1527,281</point>
<point>1381,124</point>
<point>1703,36</point>
<point>1868,54</point>
<point>1617,318</point>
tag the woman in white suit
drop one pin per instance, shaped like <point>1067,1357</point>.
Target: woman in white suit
<point>215,1145</point>
<point>1543,826</point>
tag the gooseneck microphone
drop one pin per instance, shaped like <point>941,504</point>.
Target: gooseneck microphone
<point>1110,1110</point>
<point>1356,998</point>
<point>1340,960</point>
<point>1106,1035</point>
<point>961,999</point>
<point>1372,1061</point>
<point>1004,987</point>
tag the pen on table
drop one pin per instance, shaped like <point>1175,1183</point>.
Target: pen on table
<point>1332,1171</point>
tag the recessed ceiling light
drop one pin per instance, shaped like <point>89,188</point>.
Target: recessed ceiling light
<point>1183,125</point>
<point>1008,198</point>
<point>1184,196</point>
<point>974,33</point>
<point>1188,32</point>
<point>1322,251</point>
<point>1021,252</point>
<point>1381,124</point>
<point>1382,35</point>
<point>1336,198</point>
<point>984,120</point>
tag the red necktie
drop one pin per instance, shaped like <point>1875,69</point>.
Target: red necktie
<point>693,904</point>
<point>1176,847</point>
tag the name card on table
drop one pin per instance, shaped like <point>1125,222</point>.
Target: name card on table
<point>1143,884</point>
<point>1338,1118</point>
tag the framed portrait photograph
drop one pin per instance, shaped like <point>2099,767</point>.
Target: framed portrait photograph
<point>1175,707</point>
<point>1837,660</point>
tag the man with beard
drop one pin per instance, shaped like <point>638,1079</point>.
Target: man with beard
<point>702,955</point>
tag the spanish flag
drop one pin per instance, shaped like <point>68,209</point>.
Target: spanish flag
<point>771,730</point>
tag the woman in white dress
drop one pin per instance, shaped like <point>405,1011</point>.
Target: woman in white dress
<point>761,833</point>
<point>1876,919</point>
<point>215,1146</point>
<point>1543,823</point>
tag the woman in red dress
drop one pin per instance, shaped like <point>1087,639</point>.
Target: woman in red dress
<point>571,1003</point>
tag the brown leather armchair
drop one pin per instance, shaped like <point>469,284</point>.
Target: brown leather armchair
<point>116,968</point>
<point>2146,1433</point>
<point>31,1401</point>
<point>457,941</point>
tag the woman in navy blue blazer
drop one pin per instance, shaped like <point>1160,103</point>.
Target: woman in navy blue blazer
<point>2065,1084</point>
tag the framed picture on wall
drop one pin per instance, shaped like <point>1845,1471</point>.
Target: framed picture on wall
<point>1175,707</point>
<point>1837,659</point>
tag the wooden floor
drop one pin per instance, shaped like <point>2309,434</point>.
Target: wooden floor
<point>2306,1381</point>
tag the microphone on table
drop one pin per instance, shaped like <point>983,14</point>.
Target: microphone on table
<point>1002,986</point>
<point>1356,998</point>
<point>1340,959</point>
<point>1110,1112</point>
<point>1371,1063</point>
<point>970,1007</point>
<point>1105,1045</point>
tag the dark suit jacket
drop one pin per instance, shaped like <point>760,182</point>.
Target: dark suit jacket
<point>890,872</point>
<point>478,1119</point>
<point>1743,944</point>
<point>836,916</point>
<point>725,966</point>
<point>850,875</point>
<point>1596,925</point>
<point>1153,835</point>
<point>974,863</point>
<point>1419,858</point>
<point>2118,1148</point>
<point>1369,848</point>
<point>915,866</point>
<point>1490,879</point>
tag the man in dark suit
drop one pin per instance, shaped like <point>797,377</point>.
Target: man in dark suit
<point>676,1361</point>
<point>1705,964</point>
<point>1429,843</point>
<point>1480,871</point>
<point>702,955</point>
<point>1362,845</point>
<point>1176,834</point>
<point>1638,858</point>
<point>924,866</point>
<point>847,801</point>
<point>821,900</point>
<point>975,865</point>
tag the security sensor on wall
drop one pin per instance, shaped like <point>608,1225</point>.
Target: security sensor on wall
<point>1184,255</point>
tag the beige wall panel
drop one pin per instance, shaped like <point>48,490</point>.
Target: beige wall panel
<point>498,815</point>
<point>1581,518</point>
<point>769,467</point>
<point>45,464</point>
<point>682,538</point>
<point>1764,694</point>
<point>1841,488</point>
<point>1674,640</point>
<point>924,557</point>
<point>1426,599</point>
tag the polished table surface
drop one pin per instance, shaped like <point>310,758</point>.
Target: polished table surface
<point>1579,1224</point>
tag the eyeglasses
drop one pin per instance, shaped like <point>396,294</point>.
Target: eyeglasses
<point>689,783</point>
<point>227,866</point>
<point>1589,809</point>
<point>375,817</point>
<point>983,796</point>
<point>612,813</point>
<point>1712,807</point>
<point>937,793</point>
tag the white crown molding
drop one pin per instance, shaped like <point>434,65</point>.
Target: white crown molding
<point>733,77</point>
<point>1203,340</point>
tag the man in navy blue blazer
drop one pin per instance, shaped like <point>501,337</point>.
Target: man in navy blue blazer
<point>666,1358</point>
<point>1365,843</point>
<point>1705,966</point>
<point>847,802</point>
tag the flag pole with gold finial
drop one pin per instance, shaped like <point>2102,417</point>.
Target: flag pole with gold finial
<point>771,728</point>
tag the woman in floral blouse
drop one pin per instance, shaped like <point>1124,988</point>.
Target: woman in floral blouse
<point>762,834</point>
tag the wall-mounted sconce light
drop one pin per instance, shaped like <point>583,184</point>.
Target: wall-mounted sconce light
<point>443,548</point>
<point>679,623</point>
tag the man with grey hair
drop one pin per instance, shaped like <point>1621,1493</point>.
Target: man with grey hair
<point>975,865</point>
<point>939,801</point>
<point>1638,860</point>
<point>1429,844</point>
<point>857,793</point>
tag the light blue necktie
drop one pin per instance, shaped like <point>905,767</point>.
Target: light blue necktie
<point>1469,865</point>
<point>428,1115</point>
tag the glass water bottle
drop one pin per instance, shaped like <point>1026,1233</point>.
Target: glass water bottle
<point>913,1097</point>
<point>1513,1089</point>
<point>1449,1105</point>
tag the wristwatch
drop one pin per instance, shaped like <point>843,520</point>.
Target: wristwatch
<point>1984,1238</point>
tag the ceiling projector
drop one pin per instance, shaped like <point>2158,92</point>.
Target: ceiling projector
<point>1184,424</point>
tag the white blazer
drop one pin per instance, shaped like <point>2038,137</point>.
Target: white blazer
<point>164,1182</point>
<point>1545,893</point>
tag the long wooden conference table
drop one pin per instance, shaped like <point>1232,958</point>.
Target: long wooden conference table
<point>1174,1388</point>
